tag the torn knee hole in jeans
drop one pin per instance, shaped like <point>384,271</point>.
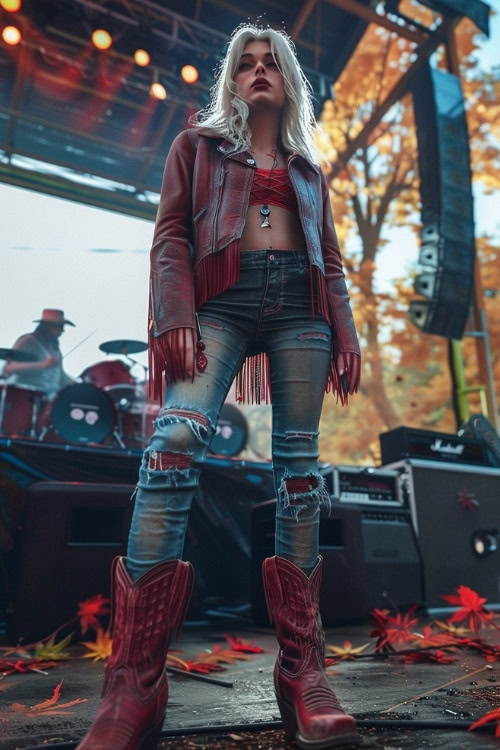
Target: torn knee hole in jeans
<point>313,335</point>
<point>199,423</point>
<point>300,492</point>
<point>164,460</point>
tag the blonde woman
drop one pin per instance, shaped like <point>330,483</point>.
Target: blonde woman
<point>246,282</point>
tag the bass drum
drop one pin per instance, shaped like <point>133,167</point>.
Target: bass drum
<point>83,413</point>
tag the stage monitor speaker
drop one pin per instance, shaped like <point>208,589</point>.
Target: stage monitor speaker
<point>70,533</point>
<point>343,587</point>
<point>456,515</point>
<point>447,236</point>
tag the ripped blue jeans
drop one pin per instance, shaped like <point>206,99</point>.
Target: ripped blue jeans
<point>267,309</point>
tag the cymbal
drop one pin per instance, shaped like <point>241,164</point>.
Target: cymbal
<point>123,346</point>
<point>17,355</point>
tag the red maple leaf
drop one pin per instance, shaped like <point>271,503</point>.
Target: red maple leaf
<point>491,651</point>
<point>238,644</point>
<point>378,618</point>
<point>90,609</point>
<point>490,716</point>
<point>430,638</point>
<point>398,627</point>
<point>7,666</point>
<point>471,606</point>
<point>329,661</point>
<point>46,708</point>
<point>192,665</point>
<point>439,656</point>
<point>203,668</point>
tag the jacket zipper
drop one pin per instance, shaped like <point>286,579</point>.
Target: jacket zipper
<point>299,200</point>
<point>220,182</point>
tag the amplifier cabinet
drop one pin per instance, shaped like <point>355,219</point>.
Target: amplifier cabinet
<point>393,568</point>
<point>70,533</point>
<point>392,560</point>
<point>455,511</point>
<point>424,445</point>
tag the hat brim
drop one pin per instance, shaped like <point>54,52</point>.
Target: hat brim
<point>56,323</point>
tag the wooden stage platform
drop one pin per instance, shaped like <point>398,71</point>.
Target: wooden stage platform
<point>376,691</point>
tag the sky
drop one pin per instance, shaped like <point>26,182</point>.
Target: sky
<point>93,264</point>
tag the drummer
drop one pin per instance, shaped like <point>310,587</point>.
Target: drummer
<point>45,371</point>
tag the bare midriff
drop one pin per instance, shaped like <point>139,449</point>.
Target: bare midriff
<point>285,232</point>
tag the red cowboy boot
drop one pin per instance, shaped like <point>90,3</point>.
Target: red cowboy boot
<point>309,709</point>
<point>145,615</point>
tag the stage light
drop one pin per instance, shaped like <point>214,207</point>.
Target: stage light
<point>484,543</point>
<point>11,6</point>
<point>102,39</point>
<point>158,91</point>
<point>11,35</point>
<point>189,74</point>
<point>142,57</point>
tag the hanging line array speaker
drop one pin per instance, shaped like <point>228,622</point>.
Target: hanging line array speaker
<point>447,249</point>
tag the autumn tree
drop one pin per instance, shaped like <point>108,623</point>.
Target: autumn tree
<point>405,373</point>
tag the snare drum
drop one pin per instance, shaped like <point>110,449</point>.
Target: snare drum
<point>80,413</point>
<point>19,409</point>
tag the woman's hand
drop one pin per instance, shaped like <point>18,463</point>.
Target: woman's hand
<point>348,364</point>
<point>181,341</point>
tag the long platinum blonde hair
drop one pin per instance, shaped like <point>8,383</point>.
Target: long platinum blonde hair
<point>227,113</point>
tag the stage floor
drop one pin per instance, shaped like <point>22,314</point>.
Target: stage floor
<point>205,715</point>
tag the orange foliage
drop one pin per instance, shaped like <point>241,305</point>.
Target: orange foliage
<point>405,376</point>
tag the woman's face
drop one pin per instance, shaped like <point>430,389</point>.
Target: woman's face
<point>258,80</point>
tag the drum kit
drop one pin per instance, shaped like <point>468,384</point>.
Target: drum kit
<point>108,407</point>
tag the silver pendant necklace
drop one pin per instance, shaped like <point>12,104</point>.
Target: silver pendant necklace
<point>265,210</point>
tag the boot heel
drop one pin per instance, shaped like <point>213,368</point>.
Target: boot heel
<point>151,741</point>
<point>288,718</point>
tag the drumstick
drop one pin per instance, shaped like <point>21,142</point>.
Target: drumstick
<point>81,342</point>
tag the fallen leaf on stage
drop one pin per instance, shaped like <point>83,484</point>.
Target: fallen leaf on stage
<point>90,609</point>
<point>101,647</point>
<point>46,707</point>
<point>490,716</point>
<point>345,652</point>
<point>238,644</point>
<point>471,606</point>
<point>51,650</point>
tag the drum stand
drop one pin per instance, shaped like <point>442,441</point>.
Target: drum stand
<point>143,414</point>
<point>34,415</point>
<point>118,434</point>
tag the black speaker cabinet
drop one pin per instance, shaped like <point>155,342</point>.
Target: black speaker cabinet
<point>456,515</point>
<point>70,533</point>
<point>392,560</point>
<point>343,587</point>
<point>447,250</point>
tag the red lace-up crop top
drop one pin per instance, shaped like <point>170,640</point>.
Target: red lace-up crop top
<point>274,187</point>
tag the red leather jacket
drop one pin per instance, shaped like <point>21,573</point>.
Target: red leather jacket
<point>203,205</point>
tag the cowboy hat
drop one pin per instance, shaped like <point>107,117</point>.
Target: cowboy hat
<point>53,316</point>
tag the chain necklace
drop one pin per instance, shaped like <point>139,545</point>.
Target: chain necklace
<point>265,210</point>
